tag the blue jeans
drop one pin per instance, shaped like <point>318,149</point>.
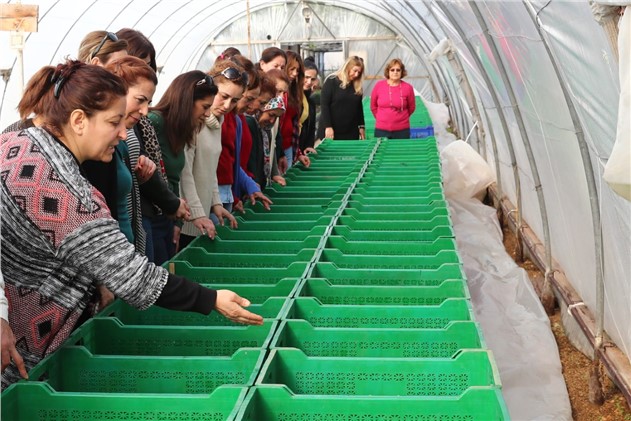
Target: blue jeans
<point>146,225</point>
<point>289,154</point>
<point>397,134</point>
<point>163,245</point>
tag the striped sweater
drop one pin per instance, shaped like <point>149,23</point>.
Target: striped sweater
<point>58,240</point>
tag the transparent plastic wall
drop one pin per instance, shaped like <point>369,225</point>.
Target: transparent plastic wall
<point>275,25</point>
<point>589,69</point>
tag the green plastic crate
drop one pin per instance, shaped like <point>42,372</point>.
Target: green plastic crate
<point>391,248</point>
<point>108,336</point>
<point>154,315</point>
<point>396,201</point>
<point>393,225</point>
<point>290,217</point>
<point>394,235</point>
<point>437,204</point>
<point>373,316</point>
<point>300,192</point>
<point>421,215</point>
<point>259,293</point>
<point>197,257</point>
<point>322,210</point>
<point>383,295</point>
<point>226,233</point>
<point>75,369</point>
<point>357,261</point>
<point>214,275</point>
<point>395,194</point>
<point>34,401</point>
<point>387,276</point>
<point>325,202</point>
<point>219,245</point>
<point>379,377</point>
<point>279,226</point>
<point>378,343</point>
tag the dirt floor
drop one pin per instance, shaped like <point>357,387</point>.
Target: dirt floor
<point>576,366</point>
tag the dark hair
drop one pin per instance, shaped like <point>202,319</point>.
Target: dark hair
<point>296,92</point>
<point>92,40</point>
<point>277,74</point>
<point>270,54</point>
<point>131,69</point>
<point>177,103</point>
<point>310,65</point>
<point>391,63</point>
<point>138,45</point>
<point>229,52</point>
<point>54,92</point>
<point>268,84</point>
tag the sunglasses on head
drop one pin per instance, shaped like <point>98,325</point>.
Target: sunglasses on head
<point>207,79</point>
<point>233,75</point>
<point>109,35</point>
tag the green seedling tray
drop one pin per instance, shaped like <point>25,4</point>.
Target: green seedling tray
<point>75,369</point>
<point>388,276</point>
<point>429,235</point>
<point>374,316</point>
<point>259,293</point>
<point>379,377</point>
<point>108,336</point>
<point>158,316</point>
<point>226,233</point>
<point>30,401</point>
<point>356,261</point>
<point>378,343</point>
<point>422,214</point>
<point>402,248</point>
<point>426,207</point>
<point>396,201</point>
<point>214,275</point>
<point>327,293</point>
<point>219,245</point>
<point>394,225</point>
<point>197,257</point>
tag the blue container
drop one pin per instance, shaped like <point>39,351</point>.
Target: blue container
<point>421,132</point>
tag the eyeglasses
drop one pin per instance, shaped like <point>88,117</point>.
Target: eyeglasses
<point>207,79</point>
<point>111,36</point>
<point>233,75</point>
<point>395,70</point>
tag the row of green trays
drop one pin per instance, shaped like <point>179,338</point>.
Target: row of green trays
<point>394,201</point>
<point>394,225</point>
<point>400,233</point>
<point>399,208</point>
<point>393,213</point>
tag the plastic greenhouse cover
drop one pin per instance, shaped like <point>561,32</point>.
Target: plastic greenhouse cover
<point>514,323</point>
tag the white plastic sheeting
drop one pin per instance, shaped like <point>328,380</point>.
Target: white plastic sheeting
<point>513,321</point>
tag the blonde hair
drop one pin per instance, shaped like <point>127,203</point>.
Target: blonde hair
<point>92,40</point>
<point>342,74</point>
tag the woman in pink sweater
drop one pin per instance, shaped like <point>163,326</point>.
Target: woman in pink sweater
<point>392,103</point>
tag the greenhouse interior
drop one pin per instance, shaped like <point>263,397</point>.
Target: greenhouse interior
<point>381,270</point>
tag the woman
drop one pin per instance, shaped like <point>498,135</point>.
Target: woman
<point>58,238</point>
<point>308,131</point>
<point>155,196</point>
<point>272,58</point>
<point>291,122</point>
<point>101,47</point>
<point>341,110</point>
<point>183,108</point>
<point>233,181</point>
<point>199,184</point>
<point>392,103</point>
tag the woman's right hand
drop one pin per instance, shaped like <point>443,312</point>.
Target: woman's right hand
<point>9,352</point>
<point>329,133</point>
<point>230,305</point>
<point>183,212</point>
<point>206,226</point>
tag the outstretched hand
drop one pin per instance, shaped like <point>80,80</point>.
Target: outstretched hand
<point>230,305</point>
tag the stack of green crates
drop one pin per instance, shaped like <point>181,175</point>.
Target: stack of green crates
<point>367,314</point>
<point>420,121</point>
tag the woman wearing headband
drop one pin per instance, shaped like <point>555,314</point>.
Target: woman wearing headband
<point>58,238</point>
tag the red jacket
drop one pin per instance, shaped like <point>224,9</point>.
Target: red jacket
<point>225,168</point>
<point>246,145</point>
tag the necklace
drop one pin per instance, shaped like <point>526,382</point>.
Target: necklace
<point>400,108</point>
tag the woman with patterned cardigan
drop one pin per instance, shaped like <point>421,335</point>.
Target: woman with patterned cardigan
<point>58,238</point>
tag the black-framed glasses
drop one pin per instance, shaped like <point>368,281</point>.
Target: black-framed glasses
<point>109,35</point>
<point>233,75</point>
